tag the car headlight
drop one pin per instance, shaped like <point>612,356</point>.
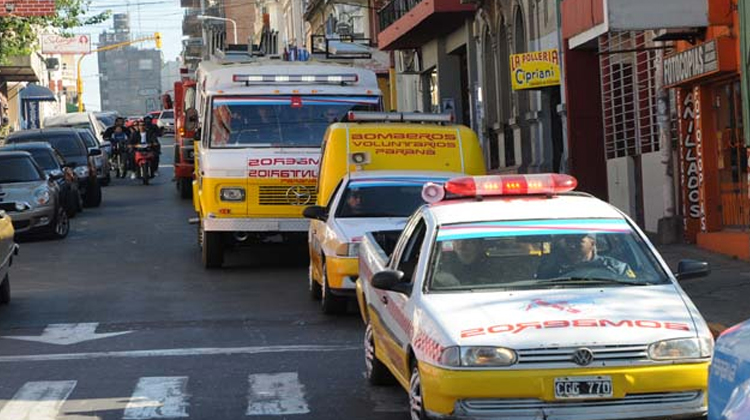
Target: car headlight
<point>42,196</point>
<point>478,356</point>
<point>681,348</point>
<point>232,194</point>
<point>81,171</point>
<point>350,249</point>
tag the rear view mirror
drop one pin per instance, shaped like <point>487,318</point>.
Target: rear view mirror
<point>692,269</point>
<point>315,213</point>
<point>95,152</point>
<point>56,174</point>
<point>191,119</point>
<point>390,280</point>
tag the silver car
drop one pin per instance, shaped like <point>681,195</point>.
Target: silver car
<point>30,197</point>
<point>166,121</point>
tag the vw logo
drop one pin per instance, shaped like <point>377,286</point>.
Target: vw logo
<point>583,357</point>
<point>299,195</point>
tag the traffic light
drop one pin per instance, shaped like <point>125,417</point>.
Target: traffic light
<point>157,38</point>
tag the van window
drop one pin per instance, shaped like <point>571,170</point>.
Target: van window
<point>280,121</point>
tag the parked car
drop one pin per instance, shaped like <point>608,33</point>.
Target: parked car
<point>85,120</point>
<point>165,121</point>
<point>106,118</point>
<point>8,249</point>
<point>100,161</point>
<point>71,145</point>
<point>54,165</point>
<point>729,378</point>
<point>30,197</point>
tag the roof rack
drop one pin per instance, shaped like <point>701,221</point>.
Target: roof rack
<point>364,116</point>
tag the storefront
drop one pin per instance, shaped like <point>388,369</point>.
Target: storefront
<point>713,155</point>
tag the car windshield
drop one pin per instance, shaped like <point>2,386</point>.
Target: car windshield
<point>88,138</point>
<point>381,198</point>
<point>67,146</point>
<point>44,159</point>
<point>539,254</point>
<point>167,114</point>
<point>18,169</point>
<point>280,121</point>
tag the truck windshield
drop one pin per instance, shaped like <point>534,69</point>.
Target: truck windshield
<point>280,121</point>
<point>540,254</point>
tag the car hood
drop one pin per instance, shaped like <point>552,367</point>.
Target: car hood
<point>19,191</point>
<point>627,315</point>
<point>354,228</point>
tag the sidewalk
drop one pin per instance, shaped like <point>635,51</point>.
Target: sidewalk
<point>724,296</point>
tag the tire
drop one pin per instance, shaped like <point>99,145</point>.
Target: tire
<point>60,225</point>
<point>212,249</point>
<point>5,291</point>
<point>186,187</point>
<point>71,207</point>
<point>376,372</point>
<point>316,292</point>
<point>79,201</point>
<point>416,401</point>
<point>330,303</point>
<point>143,174</point>
<point>93,195</point>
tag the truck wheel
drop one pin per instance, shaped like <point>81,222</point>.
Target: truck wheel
<point>331,303</point>
<point>377,373</point>
<point>212,251</point>
<point>316,292</point>
<point>186,187</point>
<point>416,396</point>
<point>5,291</point>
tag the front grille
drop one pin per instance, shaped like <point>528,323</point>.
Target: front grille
<point>284,195</point>
<point>11,206</point>
<point>534,404</point>
<point>564,355</point>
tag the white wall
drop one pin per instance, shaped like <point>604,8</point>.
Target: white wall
<point>621,181</point>
<point>653,190</point>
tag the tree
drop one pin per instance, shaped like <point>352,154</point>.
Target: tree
<point>20,35</point>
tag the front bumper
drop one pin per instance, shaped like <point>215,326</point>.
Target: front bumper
<point>644,392</point>
<point>32,219</point>
<point>236,224</point>
<point>342,274</point>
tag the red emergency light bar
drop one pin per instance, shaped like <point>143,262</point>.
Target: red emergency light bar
<point>500,185</point>
<point>296,78</point>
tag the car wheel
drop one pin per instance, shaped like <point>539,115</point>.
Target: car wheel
<point>5,291</point>
<point>316,292</point>
<point>330,303</point>
<point>212,249</point>
<point>186,187</point>
<point>416,400</point>
<point>60,225</point>
<point>377,373</point>
<point>71,205</point>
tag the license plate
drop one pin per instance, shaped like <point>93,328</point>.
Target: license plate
<point>580,387</point>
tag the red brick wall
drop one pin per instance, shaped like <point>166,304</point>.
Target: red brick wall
<point>28,7</point>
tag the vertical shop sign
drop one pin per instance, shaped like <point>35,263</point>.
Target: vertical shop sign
<point>691,173</point>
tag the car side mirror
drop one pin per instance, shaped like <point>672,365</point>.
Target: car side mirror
<point>390,280</point>
<point>95,152</point>
<point>315,213</point>
<point>692,269</point>
<point>56,174</point>
<point>106,143</point>
<point>191,119</point>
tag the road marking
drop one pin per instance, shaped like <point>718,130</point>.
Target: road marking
<point>206,351</point>
<point>66,334</point>
<point>159,397</point>
<point>276,394</point>
<point>38,401</point>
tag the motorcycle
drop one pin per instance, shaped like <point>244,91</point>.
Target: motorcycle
<point>119,159</point>
<point>145,156</point>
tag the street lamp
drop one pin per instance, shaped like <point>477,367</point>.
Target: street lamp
<point>232,21</point>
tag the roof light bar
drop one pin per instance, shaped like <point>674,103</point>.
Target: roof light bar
<point>502,185</point>
<point>296,78</point>
<point>399,117</point>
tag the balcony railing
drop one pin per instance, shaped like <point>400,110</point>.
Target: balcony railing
<point>393,11</point>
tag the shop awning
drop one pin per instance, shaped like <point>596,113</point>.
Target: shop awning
<point>34,92</point>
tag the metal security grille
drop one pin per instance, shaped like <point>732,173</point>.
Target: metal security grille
<point>628,93</point>
<point>280,195</point>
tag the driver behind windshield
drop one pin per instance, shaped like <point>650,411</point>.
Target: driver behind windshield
<point>463,262</point>
<point>571,253</point>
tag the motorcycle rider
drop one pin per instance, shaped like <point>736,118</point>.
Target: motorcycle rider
<point>158,132</point>
<point>144,137</point>
<point>119,122</point>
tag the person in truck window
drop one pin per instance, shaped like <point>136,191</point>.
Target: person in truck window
<point>572,253</point>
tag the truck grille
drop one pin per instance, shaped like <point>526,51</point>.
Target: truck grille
<point>285,195</point>
<point>563,356</point>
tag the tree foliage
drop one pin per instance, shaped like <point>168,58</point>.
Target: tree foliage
<point>20,35</point>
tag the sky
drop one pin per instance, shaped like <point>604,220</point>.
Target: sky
<point>146,17</point>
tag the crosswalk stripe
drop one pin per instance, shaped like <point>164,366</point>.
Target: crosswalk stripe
<point>158,397</point>
<point>38,401</point>
<point>276,394</point>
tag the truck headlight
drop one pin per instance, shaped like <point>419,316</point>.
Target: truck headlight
<point>681,348</point>
<point>42,196</point>
<point>350,249</point>
<point>478,356</point>
<point>81,171</point>
<point>232,194</point>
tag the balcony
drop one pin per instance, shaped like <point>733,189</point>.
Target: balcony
<point>28,68</point>
<point>411,23</point>
<point>585,20</point>
<point>190,4</point>
<point>191,26</point>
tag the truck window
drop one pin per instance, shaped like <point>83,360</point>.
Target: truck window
<point>279,121</point>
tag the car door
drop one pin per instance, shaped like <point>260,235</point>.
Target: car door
<point>321,232</point>
<point>396,308</point>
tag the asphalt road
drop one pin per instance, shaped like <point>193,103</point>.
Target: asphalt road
<point>241,342</point>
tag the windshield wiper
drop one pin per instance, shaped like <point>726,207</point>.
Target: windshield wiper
<point>586,280</point>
